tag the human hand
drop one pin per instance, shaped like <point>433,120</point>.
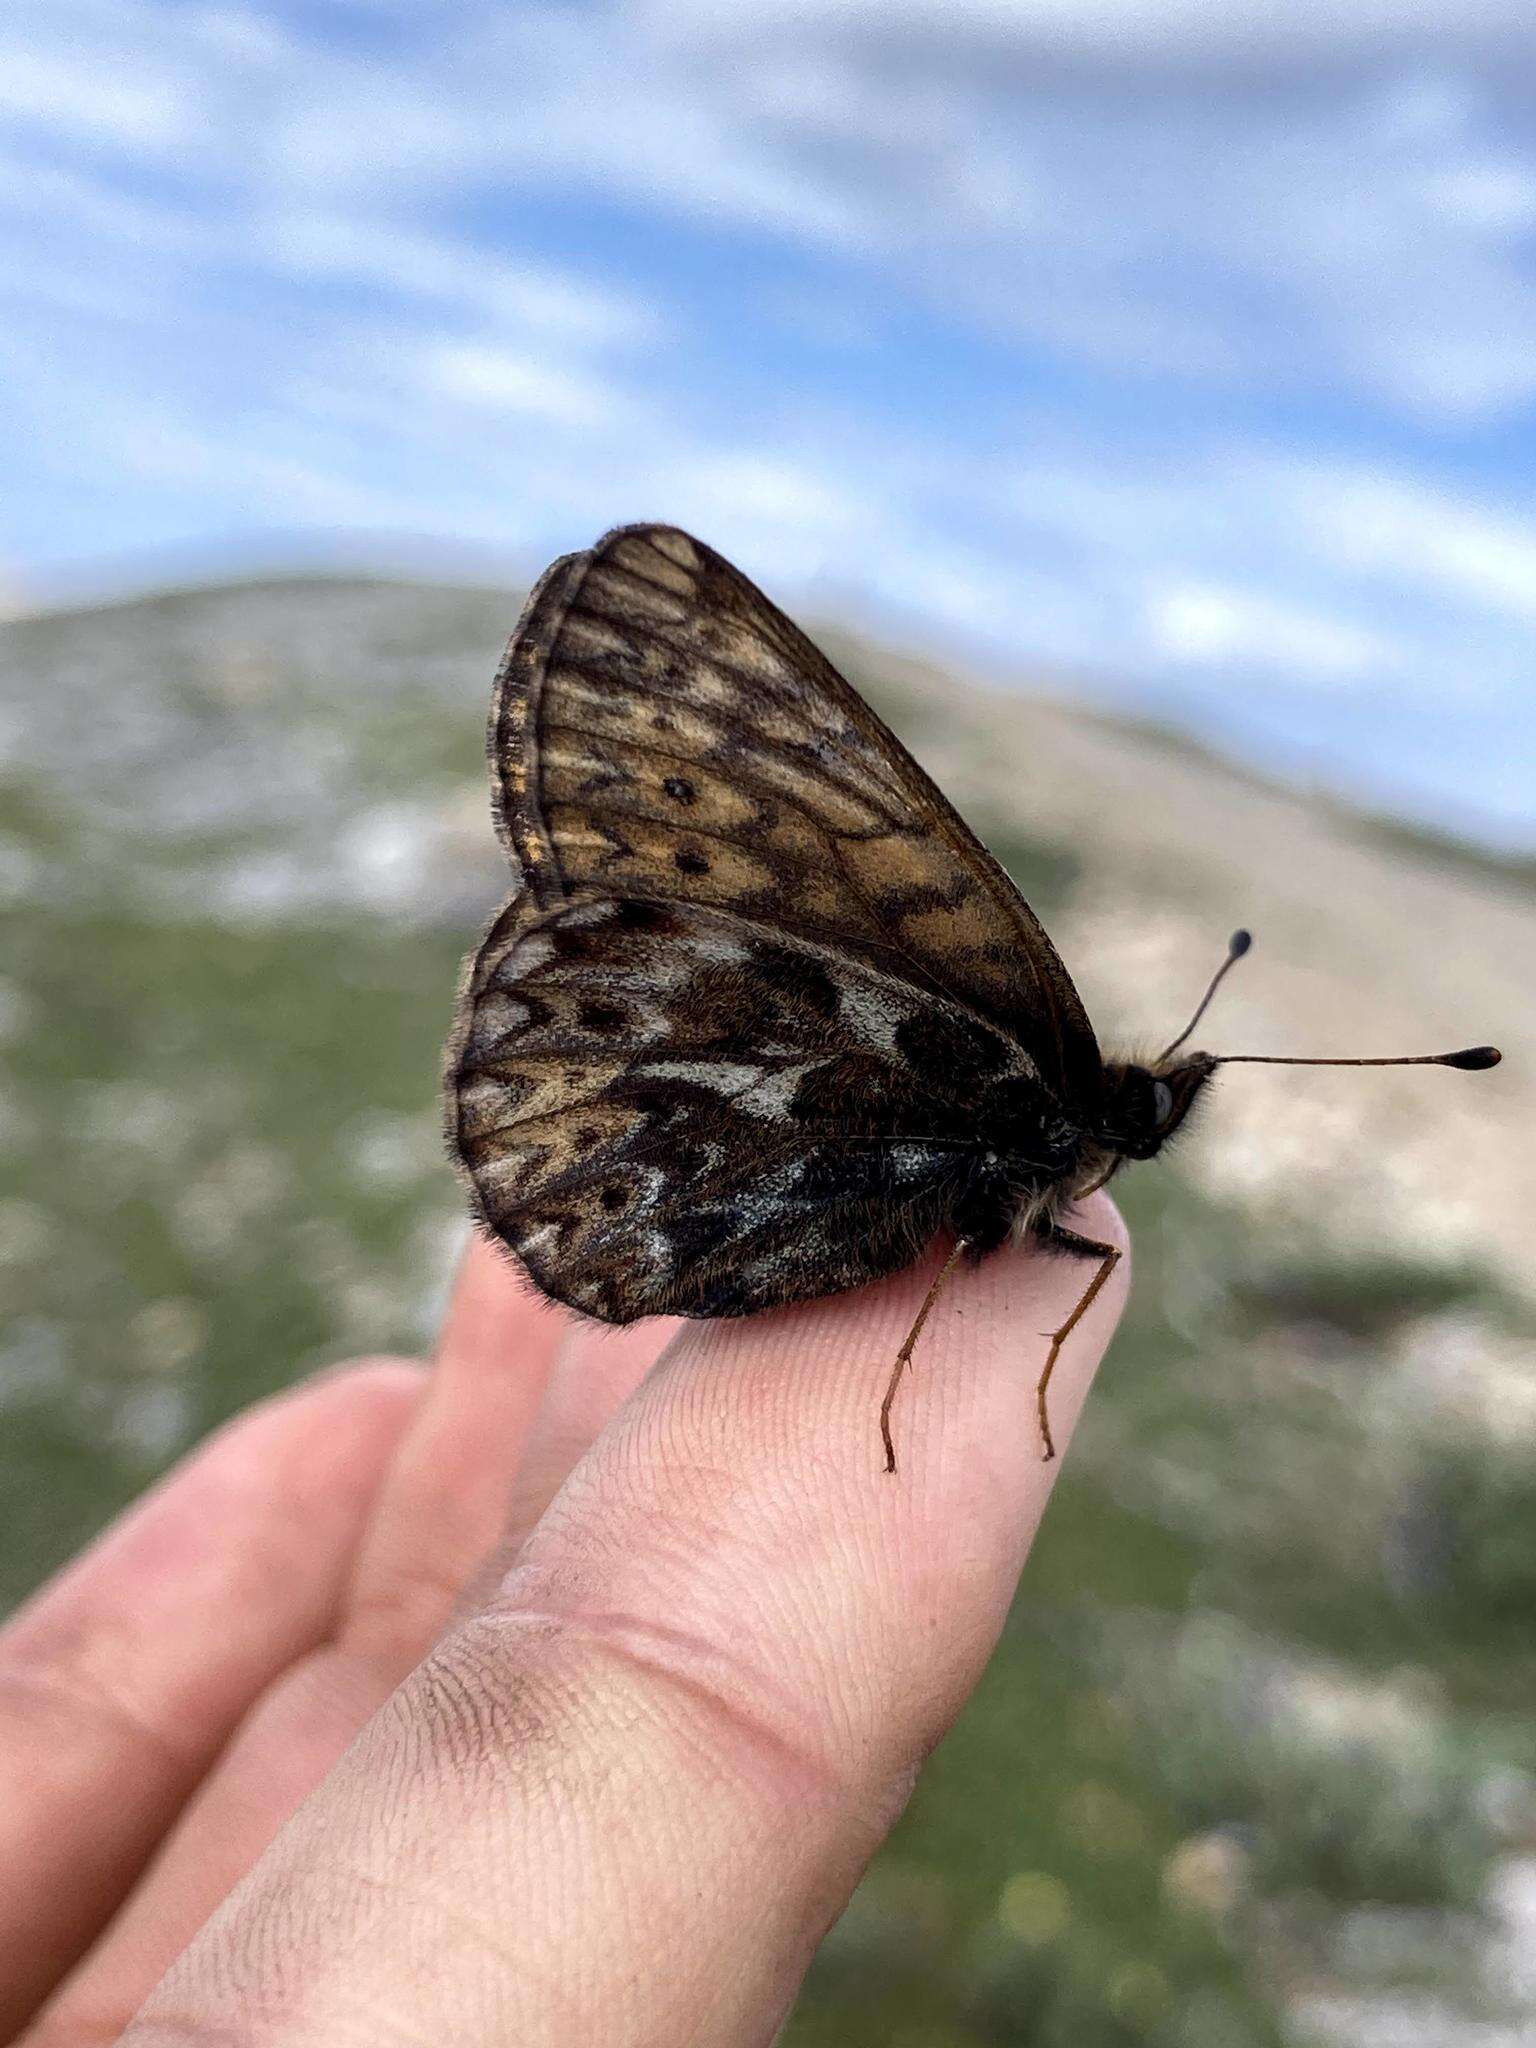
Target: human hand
<point>598,1696</point>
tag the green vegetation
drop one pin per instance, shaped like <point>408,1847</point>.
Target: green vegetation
<point>1368,1297</point>
<point>249,1182</point>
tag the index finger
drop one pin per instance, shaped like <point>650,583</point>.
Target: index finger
<point>624,1802</point>
<point>122,1679</point>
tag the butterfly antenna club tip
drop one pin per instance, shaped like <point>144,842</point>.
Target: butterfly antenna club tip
<point>1237,946</point>
<point>1474,1059</point>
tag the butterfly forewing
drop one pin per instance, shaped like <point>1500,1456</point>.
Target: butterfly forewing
<point>661,729</point>
<point>666,1107</point>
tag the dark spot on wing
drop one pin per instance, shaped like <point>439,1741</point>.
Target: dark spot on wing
<point>796,977</point>
<point>664,1097</point>
<point>949,1050</point>
<point>864,1097</point>
<point>634,916</point>
<point>601,1017</point>
<point>689,861</point>
<point>695,1236</point>
<point>832,1174</point>
<point>680,789</point>
<point>613,1199</point>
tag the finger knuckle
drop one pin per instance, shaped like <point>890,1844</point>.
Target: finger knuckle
<point>517,1675</point>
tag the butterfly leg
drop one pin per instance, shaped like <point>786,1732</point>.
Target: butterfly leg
<point>904,1355</point>
<point>1108,1256</point>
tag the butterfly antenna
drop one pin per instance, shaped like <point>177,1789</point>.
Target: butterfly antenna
<point>1237,946</point>
<point>1472,1060</point>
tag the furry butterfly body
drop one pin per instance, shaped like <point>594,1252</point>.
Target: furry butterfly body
<point>763,1017</point>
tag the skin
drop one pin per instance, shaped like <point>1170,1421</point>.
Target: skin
<point>599,1685</point>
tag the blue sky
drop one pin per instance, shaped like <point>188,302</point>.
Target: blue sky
<point>1185,355</point>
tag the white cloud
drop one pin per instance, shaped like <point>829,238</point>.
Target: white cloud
<point>1496,198</point>
<point>1408,532</point>
<point>110,105</point>
<point>518,384</point>
<point>409,262</point>
<point>63,202</point>
<point>765,487</point>
<point>1208,625</point>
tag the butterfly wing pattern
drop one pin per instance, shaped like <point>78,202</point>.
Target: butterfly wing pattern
<point>739,1036</point>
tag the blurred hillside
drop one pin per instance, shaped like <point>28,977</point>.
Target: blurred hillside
<point>1254,1764</point>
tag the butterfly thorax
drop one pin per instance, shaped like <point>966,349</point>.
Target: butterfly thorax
<point>1025,1160</point>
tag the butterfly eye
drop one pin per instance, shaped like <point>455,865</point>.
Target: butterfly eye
<point>1162,1102</point>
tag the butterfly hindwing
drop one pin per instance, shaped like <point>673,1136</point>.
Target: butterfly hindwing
<point>661,730</point>
<point>668,1108</point>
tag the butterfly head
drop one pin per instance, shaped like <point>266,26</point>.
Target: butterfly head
<point>1144,1106</point>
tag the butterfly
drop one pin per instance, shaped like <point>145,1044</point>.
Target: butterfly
<point>762,1018</point>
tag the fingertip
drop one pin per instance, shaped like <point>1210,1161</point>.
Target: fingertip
<point>357,1413</point>
<point>1097,1216</point>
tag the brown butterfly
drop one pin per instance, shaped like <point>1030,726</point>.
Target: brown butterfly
<point>763,1017</point>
